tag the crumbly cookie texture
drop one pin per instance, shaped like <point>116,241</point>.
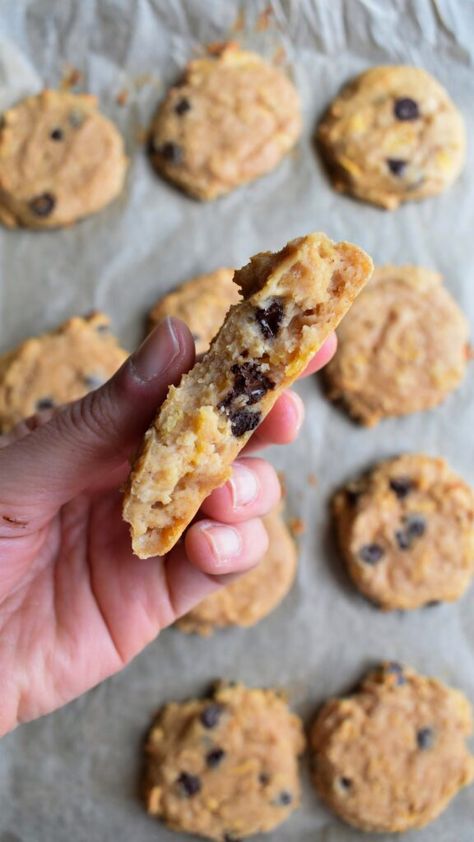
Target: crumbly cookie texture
<point>231,119</point>
<point>406,531</point>
<point>57,367</point>
<point>202,303</point>
<point>393,135</point>
<point>225,767</point>
<point>292,300</point>
<point>60,160</point>
<point>403,348</point>
<point>254,595</point>
<point>392,755</point>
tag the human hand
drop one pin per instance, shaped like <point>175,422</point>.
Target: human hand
<point>75,604</point>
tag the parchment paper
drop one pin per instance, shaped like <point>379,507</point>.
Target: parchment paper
<point>73,775</point>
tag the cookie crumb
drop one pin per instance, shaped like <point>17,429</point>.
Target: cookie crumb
<point>312,480</point>
<point>297,526</point>
<point>122,97</point>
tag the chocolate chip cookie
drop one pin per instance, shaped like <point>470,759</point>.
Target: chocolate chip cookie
<point>392,755</point>
<point>403,348</point>
<point>254,595</point>
<point>60,160</point>
<point>406,531</point>
<point>225,767</point>
<point>231,119</point>
<point>393,135</point>
<point>57,367</point>
<point>202,303</point>
<point>292,300</point>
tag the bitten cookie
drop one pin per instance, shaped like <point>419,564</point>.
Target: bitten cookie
<point>60,160</point>
<point>391,756</point>
<point>57,367</point>
<point>231,119</point>
<point>226,767</point>
<point>202,303</point>
<point>403,348</point>
<point>292,300</point>
<point>254,595</point>
<point>406,531</point>
<point>393,135</point>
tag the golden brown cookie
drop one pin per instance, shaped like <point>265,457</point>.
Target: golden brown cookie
<point>60,160</point>
<point>202,303</point>
<point>292,300</point>
<point>403,348</point>
<point>231,119</point>
<point>57,367</point>
<point>406,531</point>
<point>393,135</point>
<point>392,755</point>
<point>225,767</point>
<point>256,593</point>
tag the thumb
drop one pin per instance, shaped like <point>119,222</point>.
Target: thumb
<point>90,438</point>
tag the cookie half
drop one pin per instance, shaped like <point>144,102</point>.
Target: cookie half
<point>253,595</point>
<point>403,348</point>
<point>60,160</point>
<point>231,119</point>
<point>292,300</point>
<point>392,755</point>
<point>225,767</point>
<point>393,135</point>
<point>406,531</point>
<point>202,303</point>
<point>57,367</point>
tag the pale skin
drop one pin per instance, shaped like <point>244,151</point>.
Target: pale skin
<point>75,604</point>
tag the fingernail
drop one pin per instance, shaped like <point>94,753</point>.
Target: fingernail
<point>157,353</point>
<point>298,407</point>
<point>224,542</point>
<point>244,485</point>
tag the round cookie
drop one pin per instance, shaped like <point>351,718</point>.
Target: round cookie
<point>202,303</point>
<point>231,119</point>
<point>226,767</point>
<point>406,531</point>
<point>391,756</point>
<point>60,160</point>
<point>57,367</point>
<point>402,348</point>
<point>393,135</point>
<point>254,595</point>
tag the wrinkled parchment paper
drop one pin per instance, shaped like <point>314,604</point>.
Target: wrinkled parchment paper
<point>73,775</point>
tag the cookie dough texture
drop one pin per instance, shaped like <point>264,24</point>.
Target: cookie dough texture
<point>57,367</point>
<point>60,160</point>
<point>393,135</point>
<point>226,767</point>
<point>392,755</point>
<point>231,119</point>
<point>406,531</point>
<point>403,348</point>
<point>254,595</point>
<point>292,300</point>
<point>202,303</point>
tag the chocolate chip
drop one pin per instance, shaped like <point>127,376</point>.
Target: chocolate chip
<point>406,108</point>
<point>76,119</point>
<point>270,318</point>
<point>250,381</point>
<point>401,486</point>
<point>284,798</point>
<point>189,784</point>
<point>44,403</point>
<point>432,603</point>
<point>425,738</point>
<point>394,668</point>
<point>182,106</point>
<point>415,527</point>
<point>93,381</point>
<point>171,152</point>
<point>242,421</point>
<point>371,553</point>
<point>57,134</point>
<point>229,837</point>
<point>352,495</point>
<point>210,715</point>
<point>214,757</point>
<point>345,783</point>
<point>264,778</point>
<point>43,204</point>
<point>396,165</point>
<point>103,328</point>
